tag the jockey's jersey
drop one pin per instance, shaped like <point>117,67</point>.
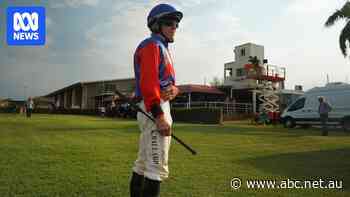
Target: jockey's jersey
<point>154,71</point>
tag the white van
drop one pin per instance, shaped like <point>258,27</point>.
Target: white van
<point>304,111</point>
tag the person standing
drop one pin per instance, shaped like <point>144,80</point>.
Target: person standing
<point>29,107</point>
<point>155,87</point>
<point>323,109</point>
<point>113,107</point>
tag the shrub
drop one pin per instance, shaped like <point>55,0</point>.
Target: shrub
<point>198,115</point>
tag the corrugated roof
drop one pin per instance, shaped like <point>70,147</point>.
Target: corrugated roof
<point>199,88</point>
<point>109,80</point>
<point>63,89</point>
<point>86,82</point>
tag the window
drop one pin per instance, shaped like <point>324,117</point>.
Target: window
<point>228,72</point>
<point>297,105</point>
<point>110,88</point>
<point>106,88</point>
<point>242,52</point>
<point>240,72</point>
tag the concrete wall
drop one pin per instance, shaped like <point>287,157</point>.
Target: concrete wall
<point>91,92</point>
<point>240,82</point>
<point>84,103</point>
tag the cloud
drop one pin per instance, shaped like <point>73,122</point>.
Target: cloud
<point>119,34</point>
<point>201,39</point>
<point>309,7</point>
<point>299,41</point>
<point>73,3</point>
<point>98,44</point>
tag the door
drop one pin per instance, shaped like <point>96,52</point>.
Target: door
<point>310,109</point>
<point>296,109</point>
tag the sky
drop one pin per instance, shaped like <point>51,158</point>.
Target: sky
<point>88,40</point>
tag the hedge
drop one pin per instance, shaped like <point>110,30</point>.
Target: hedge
<point>198,115</point>
<point>8,110</point>
<point>193,115</point>
<point>66,111</point>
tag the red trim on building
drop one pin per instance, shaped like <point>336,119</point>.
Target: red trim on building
<point>199,88</point>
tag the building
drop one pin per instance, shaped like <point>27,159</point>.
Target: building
<point>43,102</point>
<point>192,94</point>
<point>238,76</point>
<point>287,97</point>
<point>91,95</point>
<point>251,79</point>
<point>11,105</point>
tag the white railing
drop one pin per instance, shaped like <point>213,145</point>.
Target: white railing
<point>227,107</point>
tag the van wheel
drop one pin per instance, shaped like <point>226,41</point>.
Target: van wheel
<point>289,123</point>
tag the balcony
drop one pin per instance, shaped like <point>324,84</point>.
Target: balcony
<point>265,72</point>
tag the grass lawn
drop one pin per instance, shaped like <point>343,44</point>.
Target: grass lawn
<point>63,155</point>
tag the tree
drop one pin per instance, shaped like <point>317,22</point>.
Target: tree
<point>256,65</point>
<point>216,82</point>
<point>254,60</point>
<point>342,14</point>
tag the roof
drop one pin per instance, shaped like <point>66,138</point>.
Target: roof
<point>86,82</point>
<point>248,43</point>
<point>13,101</point>
<point>286,91</point>
<point>336,86</point>
<point>110,80</point>
<point>63,89</point>
<point>188,88</point>
<point>43,99</point>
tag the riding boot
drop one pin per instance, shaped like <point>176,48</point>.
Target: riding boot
<point>151,188</point>
<point>136,185</point>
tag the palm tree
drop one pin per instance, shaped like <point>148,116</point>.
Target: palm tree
<point>216,82</point>
<point>256,65</point>
<point>344,38</point>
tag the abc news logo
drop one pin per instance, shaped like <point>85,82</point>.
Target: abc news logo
<point>26,26</point>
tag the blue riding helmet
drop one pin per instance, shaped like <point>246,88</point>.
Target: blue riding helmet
<point>163,10</point>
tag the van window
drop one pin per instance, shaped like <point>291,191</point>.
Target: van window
<point>297,105</point>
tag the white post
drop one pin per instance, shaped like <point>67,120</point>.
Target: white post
<point>254,102</point>
<point>65,105</point>
<point>73,98</point>
<point>84,98</point>
<point>189,100</point>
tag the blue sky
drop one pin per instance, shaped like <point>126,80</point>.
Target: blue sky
<point>95,40</point>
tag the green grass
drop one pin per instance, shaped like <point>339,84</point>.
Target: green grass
<point>62,155</point>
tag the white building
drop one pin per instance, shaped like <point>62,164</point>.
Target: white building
<point>237,75</point>
<point>261,84</point>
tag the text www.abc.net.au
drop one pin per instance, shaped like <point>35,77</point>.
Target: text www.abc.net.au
<point>236,183</point>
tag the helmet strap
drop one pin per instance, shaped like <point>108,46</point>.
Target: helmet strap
<point>156,28</point>
<point>161,33</point>
<point>166,38</point>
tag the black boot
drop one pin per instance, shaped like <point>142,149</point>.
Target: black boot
<point>151,188</point>
<point>136,185</point>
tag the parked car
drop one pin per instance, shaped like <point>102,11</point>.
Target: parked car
<point>126,111</point>
<point>304,111</point>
